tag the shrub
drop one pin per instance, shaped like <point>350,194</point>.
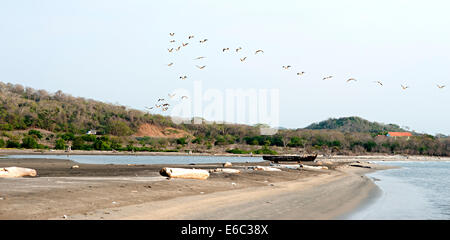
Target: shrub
<point>35,133</point>
<point>60,144</point>
<point>12,144</point>
<point>237,151</point>
<point>29,142</point>
<point>2,143</point>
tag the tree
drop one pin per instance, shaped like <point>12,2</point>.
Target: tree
<point>60,144</point>
<point>118,128</point>
<point>29,142</point>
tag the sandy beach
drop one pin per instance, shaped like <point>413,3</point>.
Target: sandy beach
<point>140,192</point>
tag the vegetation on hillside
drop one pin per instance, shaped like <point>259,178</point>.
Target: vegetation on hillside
<point>36,119</point>
<point>355,124</point>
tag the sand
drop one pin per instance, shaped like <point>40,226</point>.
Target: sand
<point>139,192</point>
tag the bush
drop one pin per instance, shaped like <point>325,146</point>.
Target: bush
<point>35,133</point>
<point>60,144</point>
<point>89,138</point>
<point>2,143</point>
<point>29,142</point>
<point>237,151</point>
<point>182,141</point>
<point>12,144</point>
<point>265,150</point>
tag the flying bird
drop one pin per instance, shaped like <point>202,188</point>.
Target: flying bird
<point>172,41</point>
<point>149,108</point>
<point>239,48</point>
<point>199,58</point>
<point>381,84</point>
<point>259,51</point>
<point>178,48</point>
<point>170,64</point>
<point>171,95</point>
<point>351,79</point>
<point>325,78</point>
<point>184,44</point>
<point>158,106</point>
<point>191,36</point>
<point>183,77</point>
<point>171,34</point>
<point>161,99</point>
<point>243,59</point>
<point>300,73</point>
<point>225,49</point>
<point>200,67</point>
<point>404,87</point>
<point>184,97</point>
<point>287,67</point>
<point>170,49</point>
<point>204,40</point>
<point>165,105</point>
<point>440,86</point>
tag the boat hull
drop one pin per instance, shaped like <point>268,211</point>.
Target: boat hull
<point>276,159</point>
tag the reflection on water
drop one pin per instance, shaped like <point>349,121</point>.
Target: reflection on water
<point>417,190</point>
<point>140,159</point>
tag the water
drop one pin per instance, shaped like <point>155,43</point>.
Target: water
<point>416,190</point>
<point>141,159</point>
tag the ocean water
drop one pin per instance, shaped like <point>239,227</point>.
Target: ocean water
<point>416,190</point>
<point>140,159</point>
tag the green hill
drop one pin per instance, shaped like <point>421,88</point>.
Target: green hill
<point>355,124</point>
<point>23,108</point>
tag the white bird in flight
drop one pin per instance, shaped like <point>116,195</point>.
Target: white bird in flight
<point>204,40</point>
<point>199,58</point>
<point>243,59</point>
<point>200,67</point>
<point>259,51</point>
<point>404,87</point>
<point>325,78</point>
<point>287,67</point>
<point>300,73</point>
<point>440,86</point>
<point>170,64</point>
<point>381,84</point>
<point>225,49</point>
<point>171,34</point>
<point>351,79</point>
<point>239,48</point>
<point>183,77</point>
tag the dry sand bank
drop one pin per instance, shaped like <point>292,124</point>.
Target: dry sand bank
<point>139,192</point>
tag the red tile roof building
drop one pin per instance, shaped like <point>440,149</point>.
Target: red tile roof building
<point>399,134</point>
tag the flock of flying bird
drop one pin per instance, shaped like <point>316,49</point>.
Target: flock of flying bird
<point>165,106</point>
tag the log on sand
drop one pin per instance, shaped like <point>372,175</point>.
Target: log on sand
<point>184,173</point>
<point>314,167</point>
<point>269,169</point>
<point>14,172</point>
<point>226,170</point>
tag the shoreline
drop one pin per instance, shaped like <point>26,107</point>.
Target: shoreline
<point>338,158</point>
<point>110,191</point>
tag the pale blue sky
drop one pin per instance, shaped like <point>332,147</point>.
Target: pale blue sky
<point>116,51</point>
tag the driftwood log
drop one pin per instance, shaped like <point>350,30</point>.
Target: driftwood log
<point>14,172</point>
<point>269,169</point>
<point>226,170</point>
<point>184,173</point>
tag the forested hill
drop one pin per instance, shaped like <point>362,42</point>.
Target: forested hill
<point>23,108</point>
<point>355,124</point>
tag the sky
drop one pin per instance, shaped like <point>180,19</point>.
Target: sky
<point>116,52</point>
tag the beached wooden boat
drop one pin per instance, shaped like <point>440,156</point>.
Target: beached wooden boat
<point>291,158</point>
